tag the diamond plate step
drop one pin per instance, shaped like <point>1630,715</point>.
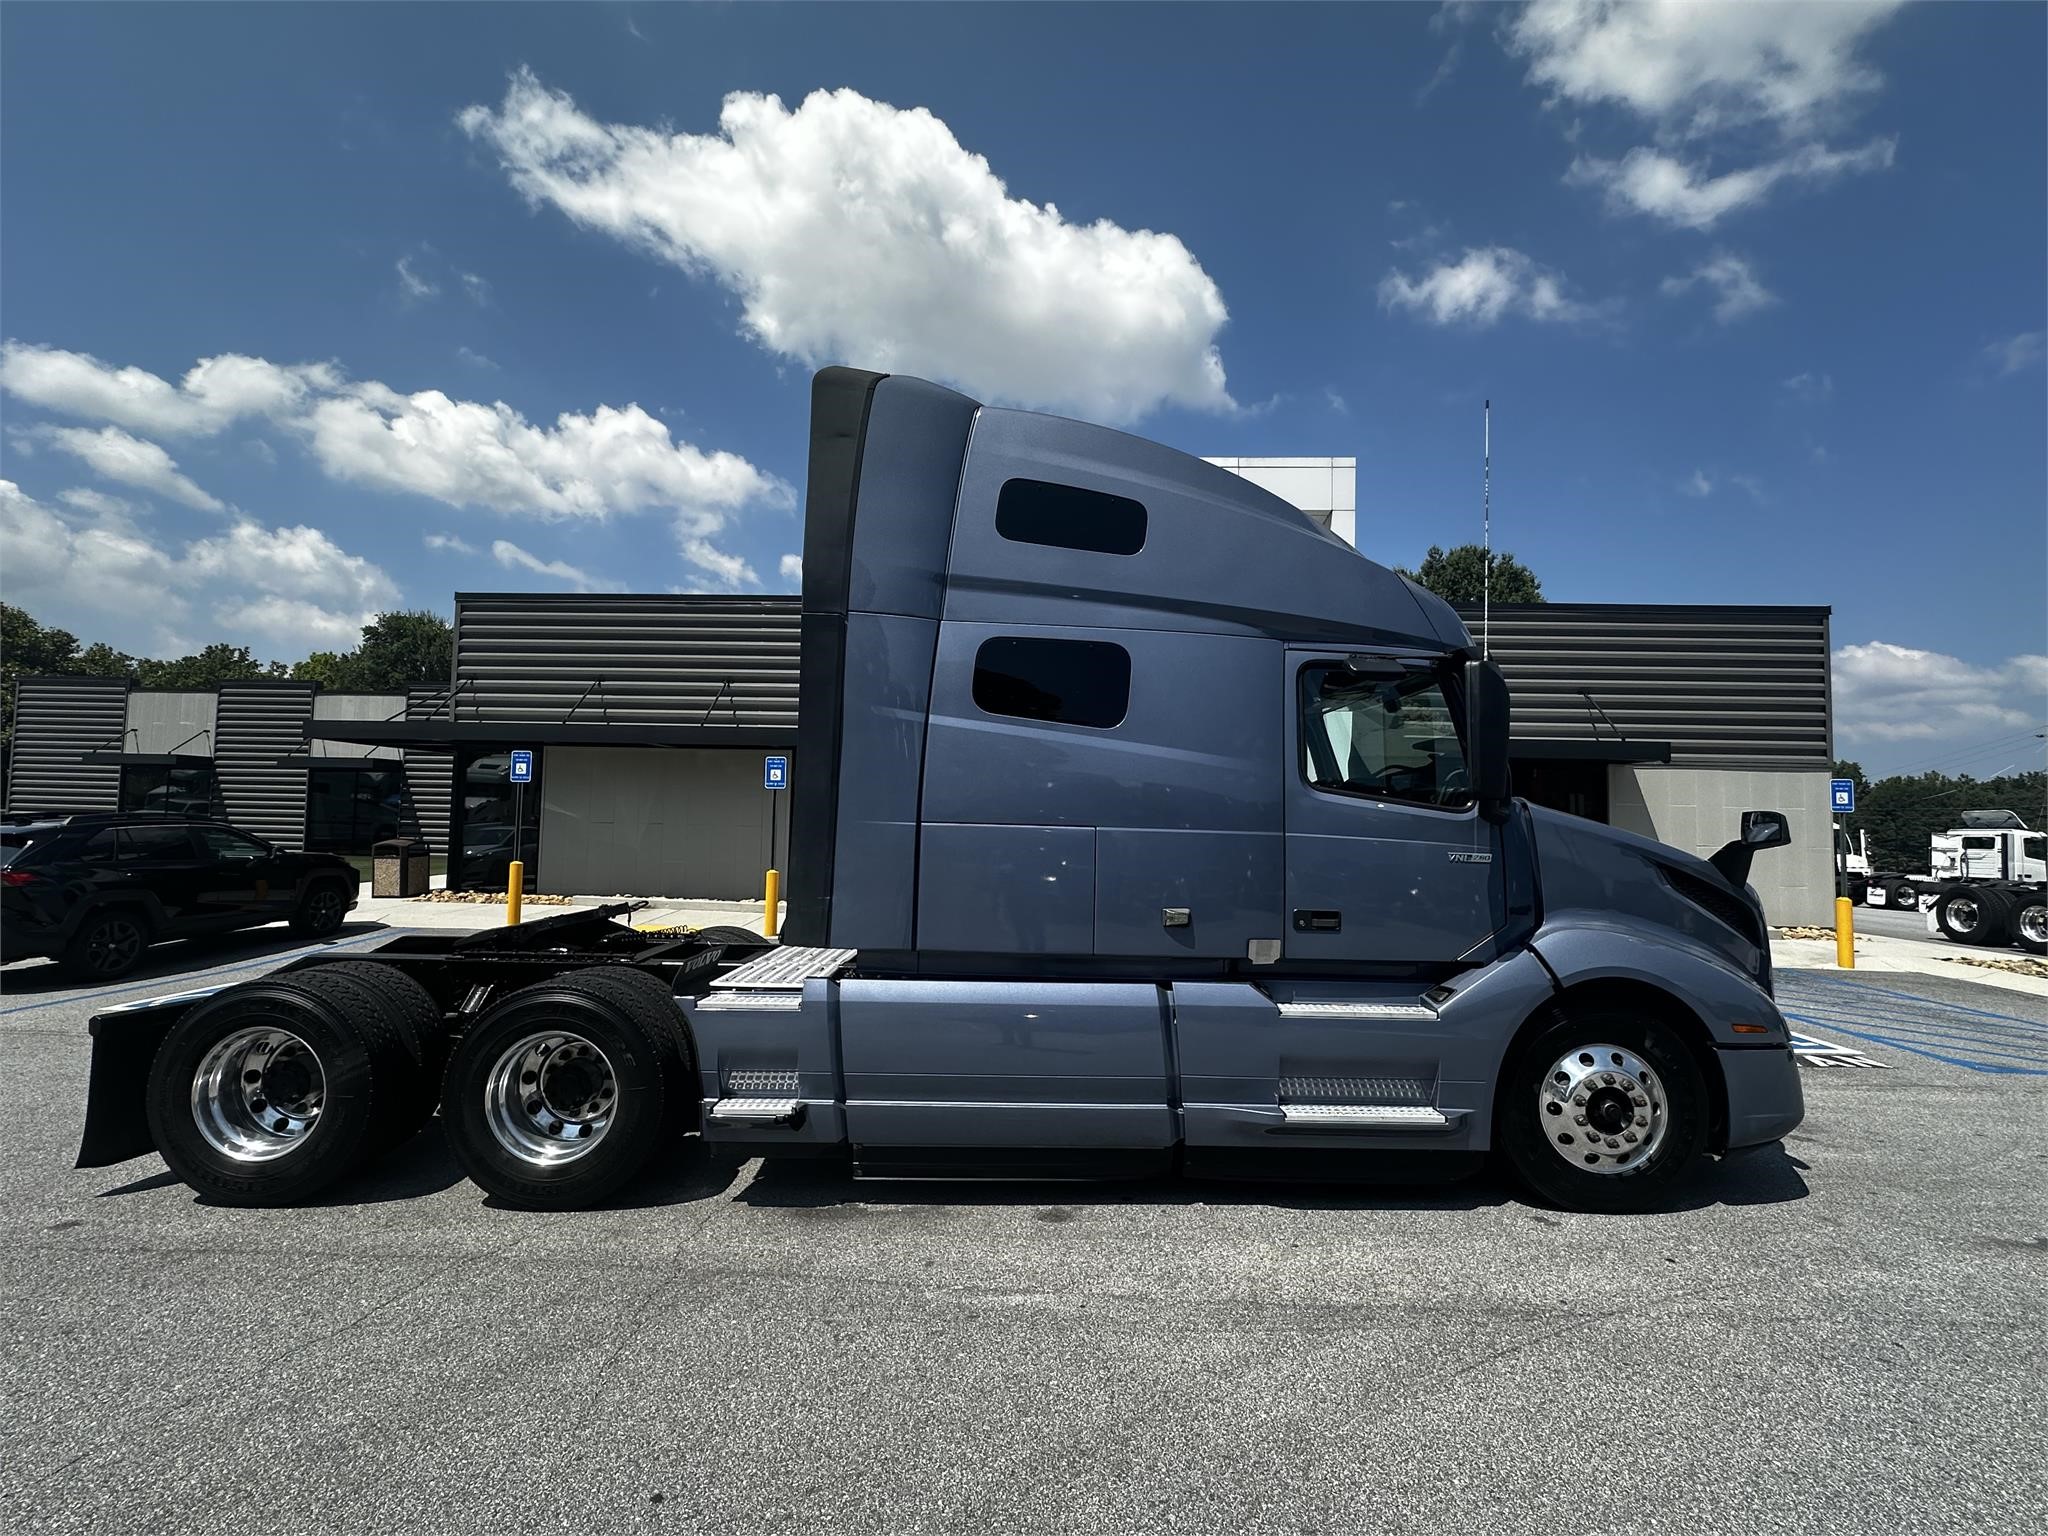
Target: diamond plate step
<point>786,970</point>
<point>1363,1117</point>
<point>756,1112</point>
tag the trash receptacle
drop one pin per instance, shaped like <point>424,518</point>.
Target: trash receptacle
<point>400,866</point>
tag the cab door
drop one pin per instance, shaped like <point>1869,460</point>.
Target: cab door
<point>1388,858</point>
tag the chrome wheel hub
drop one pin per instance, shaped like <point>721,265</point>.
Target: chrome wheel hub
<point>258,1094</point>
<point>1602,1109</point>
<point>2033,923</point>
<point>550,1098</point>
<point>1963,914</point>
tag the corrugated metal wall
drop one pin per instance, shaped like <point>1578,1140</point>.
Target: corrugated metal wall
<point>647,660</point>
<point>430,775</point>
<point>57,720</point>
<point>1727,687</point>
<point>258,723</point>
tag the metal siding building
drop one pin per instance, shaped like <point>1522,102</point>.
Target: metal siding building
<point>57,721</point>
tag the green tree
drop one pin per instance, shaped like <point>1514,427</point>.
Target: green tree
<point>1903,812</point>
<point>398,650</point>
<point>218,663</point>
<point>1460,576</point>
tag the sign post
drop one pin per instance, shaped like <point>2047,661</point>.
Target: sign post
<point>520,773</point>
<point>1842,802</point>
<point>774,778</point>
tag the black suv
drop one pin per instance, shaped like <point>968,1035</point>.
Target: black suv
<point>94,890</point>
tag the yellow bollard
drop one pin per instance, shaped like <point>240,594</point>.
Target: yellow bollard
<point>771,899</point>
<point>1845,933</point>
<point>515,888</point>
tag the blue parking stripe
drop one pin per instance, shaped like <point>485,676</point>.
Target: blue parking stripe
<point>1925,1002</point>
<point>172,983</point>
<point>1919,1033</point>
<point>1964,1029</point>
<point>1953,1061</point>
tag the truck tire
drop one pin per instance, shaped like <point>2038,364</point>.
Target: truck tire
<point>268,1092</point>
<point>562,1093</point>
<point>422,1026</point>
<point>1603,1110</point>
<point>109,943</point>
<point>1971,915</point>
<point>1904,896</point>
<point>2030,924</point>
<point>727,934</point>
<point>322,909</point>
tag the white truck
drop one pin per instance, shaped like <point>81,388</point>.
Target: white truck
<point>1987,883</point>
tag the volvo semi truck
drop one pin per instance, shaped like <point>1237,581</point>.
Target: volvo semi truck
<point>1139,824</point>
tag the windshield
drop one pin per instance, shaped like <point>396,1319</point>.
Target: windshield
<point>13,845</point>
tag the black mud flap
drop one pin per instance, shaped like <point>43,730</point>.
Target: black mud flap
<point>124,1043</point>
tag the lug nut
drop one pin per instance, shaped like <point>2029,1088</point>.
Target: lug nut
<point>1578,1119</point>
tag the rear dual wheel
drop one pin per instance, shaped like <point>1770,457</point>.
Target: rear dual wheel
<point>270,1091</point>
<point>565,1091</point>
<point>1973,915</point>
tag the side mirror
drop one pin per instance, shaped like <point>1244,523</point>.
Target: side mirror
<point>1760,829</point>
<point>1486,726</point>
<point>1765,829</point>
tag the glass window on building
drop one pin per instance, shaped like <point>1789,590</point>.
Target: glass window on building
<point>184,790</point>
<point>349,810</point>
<point>498,823</point>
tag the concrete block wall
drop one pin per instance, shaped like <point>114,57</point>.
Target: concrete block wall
<point>1699,809</point>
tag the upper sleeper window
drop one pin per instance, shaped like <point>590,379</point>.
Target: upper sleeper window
<point>1067,517</point>
<point>1073,682</point>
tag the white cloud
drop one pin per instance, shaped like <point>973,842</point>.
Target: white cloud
<point>114,455</point>
<point>298,562</point>
<point>1812,388</point>
<point>2014,353</point>
<point>512,557</point>
<point>853,231</point>
<point>450,542</point>
<point>1750,486</point>
<point>97,503</point>
<point>792,568</point>
<point>476,359</point>
<point>412,284</point>
<point>294,586</point>
<point>1697,485</point>
<point>460,452</point>
<point>727,572</point>
<point>1648,181</point>
<point>1693,68</point>
<point>292,623</point>
<point>475,289</point>
<point>105,568</point>
<point>215,391</point>
<point>1481,287</point>
<point>1336,402</point>
<point>1886,692</point>
<point>1737,290</point>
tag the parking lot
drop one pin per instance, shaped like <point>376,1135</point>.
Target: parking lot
<point>1842,1335</point>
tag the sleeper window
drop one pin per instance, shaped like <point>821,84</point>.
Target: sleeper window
<point>1068,517</point>
<point>1072,682</point>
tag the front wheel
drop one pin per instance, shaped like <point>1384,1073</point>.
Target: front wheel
<point>320,911</point>
<point>1603,1111</point>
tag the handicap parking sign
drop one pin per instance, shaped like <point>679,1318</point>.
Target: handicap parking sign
<point>1842,796</point>
<point>522,767</point>
<point>775,773</point>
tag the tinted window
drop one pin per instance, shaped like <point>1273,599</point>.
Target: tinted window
<point>226,843</point>
<point>1980,842</point>
<point>157,843</point>
<point>1075,682</point>
<point>103,847</point>
<point>13,845</point>
<point>1394,738</point>
<point>348,810</point>
<point>1039,512</point>
<point>2034,848</point>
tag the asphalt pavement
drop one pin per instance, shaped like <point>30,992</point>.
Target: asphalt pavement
<point>1842,1335</point>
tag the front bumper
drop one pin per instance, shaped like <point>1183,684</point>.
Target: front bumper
<point>1766,1099</point>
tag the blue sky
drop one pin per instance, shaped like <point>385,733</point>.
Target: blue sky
<point>529,296</point>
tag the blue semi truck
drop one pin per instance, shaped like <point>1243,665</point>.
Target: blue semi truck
<point>1140,824</point>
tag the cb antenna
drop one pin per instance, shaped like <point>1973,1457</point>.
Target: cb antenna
<point>1486,519</point>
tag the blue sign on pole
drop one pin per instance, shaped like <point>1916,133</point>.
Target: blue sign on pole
<point>775,773</point>
<point>522,767</point>
<point>1842,796</point>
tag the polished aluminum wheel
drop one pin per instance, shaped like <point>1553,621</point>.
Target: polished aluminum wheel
<point>257,1094</point>
<point>1964,916</point>
<point>550,1098</point>
<point>1602,1109</point>
<point>2032,923</point>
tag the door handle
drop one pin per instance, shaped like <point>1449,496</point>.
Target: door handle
<point>1317,921</point>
